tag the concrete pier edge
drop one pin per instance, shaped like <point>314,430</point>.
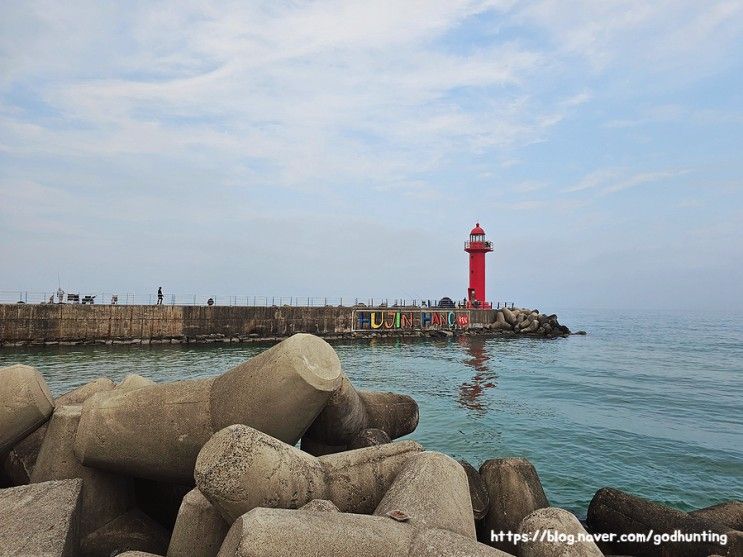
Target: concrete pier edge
<point>75,324</point>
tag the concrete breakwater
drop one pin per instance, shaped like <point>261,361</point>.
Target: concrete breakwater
<point>22,324</point>
<point>210,467</point>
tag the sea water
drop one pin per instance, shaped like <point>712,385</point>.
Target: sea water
<point>648,402</point>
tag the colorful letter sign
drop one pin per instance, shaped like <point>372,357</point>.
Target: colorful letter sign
<point>419,319</point>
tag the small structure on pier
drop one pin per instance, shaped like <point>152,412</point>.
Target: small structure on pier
<point>477,247</point>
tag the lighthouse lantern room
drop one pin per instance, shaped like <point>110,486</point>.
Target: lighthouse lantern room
<point>477,247</point>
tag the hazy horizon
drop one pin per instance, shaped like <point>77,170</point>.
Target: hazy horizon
<point>347,148</point>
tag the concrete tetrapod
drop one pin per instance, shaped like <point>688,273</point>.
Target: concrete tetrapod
<point>77,396</point>
<point>241,468</point>
<point>199,529</point>
<point>563,535</point>
<point>320,505</point>
<point>729,513</point>
<point>25,403</point>
<point>369,438</point>
<point>614,511</point>
<point>349,412</point>
<point>21,459</point>
<point>132,530</point>
<point>157,431</point>
<point>40,519</point>
<point>514,491</point>
<point>430,500</point>
<point>133,381</point>
<point>478,491</point>
<point>105,495</point>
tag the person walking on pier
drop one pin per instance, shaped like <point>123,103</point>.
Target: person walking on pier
<point>159,295</point>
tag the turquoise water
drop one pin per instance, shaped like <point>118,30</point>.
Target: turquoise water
<point>649,402</point>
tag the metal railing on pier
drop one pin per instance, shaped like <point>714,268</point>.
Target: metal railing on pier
<point>151,298</point>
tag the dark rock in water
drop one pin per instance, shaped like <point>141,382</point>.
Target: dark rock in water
<point>478,491</point>
<point>612,510</point>
<point>583,333</point>
<point>41,519</point>
<point>515,491</point>
<point>369,438</point>
<point>729,513</point>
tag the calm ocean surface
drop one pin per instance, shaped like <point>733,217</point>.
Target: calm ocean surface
<point>649,402</point>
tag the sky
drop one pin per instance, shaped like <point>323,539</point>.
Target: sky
<point>347,148</point>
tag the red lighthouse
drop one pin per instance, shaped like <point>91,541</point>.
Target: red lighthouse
<point>477,247</point>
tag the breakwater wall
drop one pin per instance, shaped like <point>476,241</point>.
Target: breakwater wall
<point>22,324</point>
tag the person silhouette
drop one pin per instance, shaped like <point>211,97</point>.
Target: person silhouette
<point>159,295</point>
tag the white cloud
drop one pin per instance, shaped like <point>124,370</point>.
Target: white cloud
<point>593,180</point>
<point>528,186</point>
<point>354,91</point>
<point>653,37</point>
<point>613,180</point>
<point>643,178</point>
